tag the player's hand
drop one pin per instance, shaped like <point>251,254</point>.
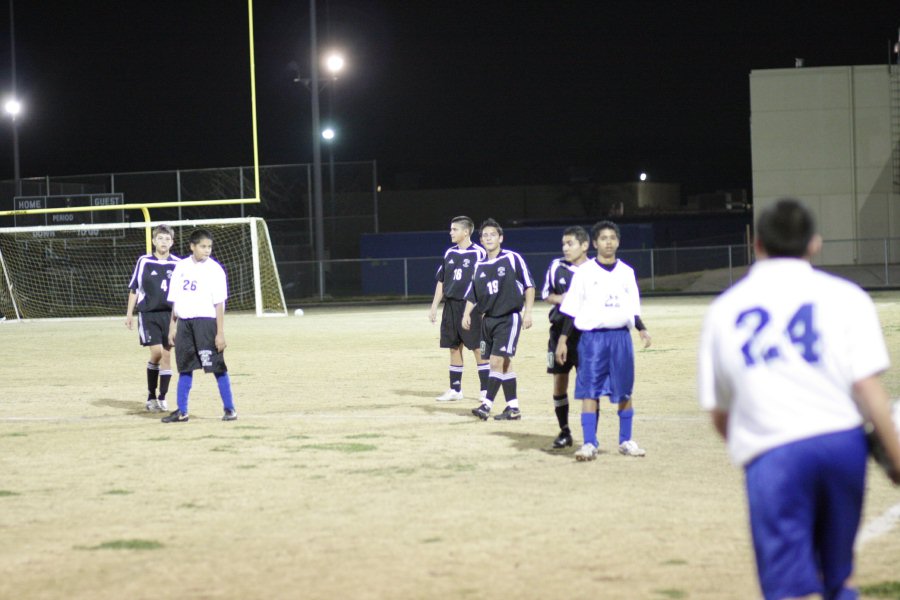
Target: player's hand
<point>646,337</point>
<point>171,339</point>
<point>526,320</point>
<point>432,314</point>
<point>220,342</point>
<point>129,322</point>
<point>467,322</point>
<point>562,353</point>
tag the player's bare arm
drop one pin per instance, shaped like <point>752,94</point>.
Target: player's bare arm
<point>220,327</point>
<point>467,316</point>
<point>438,294</point>
<point>129,312</point>
<point>554,298</point>
<point>529,304</point>
<point>874,405</point>
<point>562,350</point>
<point>172,326</point>
<point>645,336</point>
<point>720,422</point>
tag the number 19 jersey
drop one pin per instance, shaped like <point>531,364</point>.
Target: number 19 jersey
<point>498,284</point>
<point>780,352</point>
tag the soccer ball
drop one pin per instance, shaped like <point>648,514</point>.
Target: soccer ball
<point>298,312</point>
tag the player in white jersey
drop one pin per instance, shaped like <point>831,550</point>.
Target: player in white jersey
<point>198,292</point>
<point>789,367</point>
<point>452,280</point>
<point>604,304</point>
<point>148,288</point>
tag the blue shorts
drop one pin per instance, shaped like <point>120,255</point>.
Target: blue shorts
<point>605,365</point>
<point>805,501</point>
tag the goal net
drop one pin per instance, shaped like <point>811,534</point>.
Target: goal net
<point>84,270</point>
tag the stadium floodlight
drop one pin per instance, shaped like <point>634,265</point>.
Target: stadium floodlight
<point>328,134</point>
<point>13,107</point>
<point>334,63</point>
<point>643,177</point>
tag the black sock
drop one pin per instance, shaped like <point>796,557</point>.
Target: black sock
<point>484,373</point>
<point>152,378</point>
<point>456,377</point>
<point>509,387</point>
<point>164,378</point>
<point>561,406</point>
<point>494,383</point>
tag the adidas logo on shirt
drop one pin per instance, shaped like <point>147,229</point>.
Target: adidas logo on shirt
<point>154,273</point>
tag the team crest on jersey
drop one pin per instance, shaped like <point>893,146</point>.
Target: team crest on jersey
<point>501,271</point>
<point>466,263</point>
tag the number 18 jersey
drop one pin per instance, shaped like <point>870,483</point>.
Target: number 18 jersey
<point>780,352</point>
<point>456,270</point>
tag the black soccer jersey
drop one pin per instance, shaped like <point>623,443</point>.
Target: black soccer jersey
<point>498,284</point>
<point>456,270</point>
<point>151,282</point>
<point>557,281</point>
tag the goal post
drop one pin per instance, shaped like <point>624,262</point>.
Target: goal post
<point>83,270</point>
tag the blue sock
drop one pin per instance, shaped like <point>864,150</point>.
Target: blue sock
<point>589,428</point>
<point>185,381</point>
<point>225,390</point>
<point>625,417</point>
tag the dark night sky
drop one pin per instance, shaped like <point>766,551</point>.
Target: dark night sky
<point>457,92</point>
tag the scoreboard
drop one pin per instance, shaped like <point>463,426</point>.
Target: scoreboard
<point>85,218</point>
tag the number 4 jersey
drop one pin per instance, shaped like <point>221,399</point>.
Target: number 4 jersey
<point>197,287</point>
<point>780,352</point>
<point>151,280</point>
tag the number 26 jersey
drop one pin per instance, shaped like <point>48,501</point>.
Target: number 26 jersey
<point>196,288</point>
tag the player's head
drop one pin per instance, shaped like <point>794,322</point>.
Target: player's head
<point>163,238</point>
<point>575,243</point>
<point>606,238</point>
<point>201,244</point>
<point>786,229</point>
<point>491,234</point>
<point>461,227</point>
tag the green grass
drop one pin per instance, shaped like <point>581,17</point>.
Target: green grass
<point>117,492</point>
<point>124,545</point>
<point>670,593</point>
<point>675,561</point>
<point>341,447</point>
<point>364,436</point>
<point>885,589</point>
<point>5,493</point>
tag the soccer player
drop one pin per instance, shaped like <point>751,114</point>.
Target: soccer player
<point>604,304</point>
<point>148,289</point>
<point>503,291</point>
<point>789,367</point>
<point>453,278</point>
<point>197,330</point>
<point>575,242</point>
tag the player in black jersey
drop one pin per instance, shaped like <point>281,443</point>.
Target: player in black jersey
<point>149,287</point>
<point>503,291</point>
<point>453,277</point>
<point>575,244</point>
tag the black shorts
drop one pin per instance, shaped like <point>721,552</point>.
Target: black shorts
<point>571,345</point>
<point>153,328</point>
<point>195,346</point>
<point>452,333</point>
<point>499,335</point>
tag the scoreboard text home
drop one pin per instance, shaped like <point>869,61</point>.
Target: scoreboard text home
<point>85,218</point>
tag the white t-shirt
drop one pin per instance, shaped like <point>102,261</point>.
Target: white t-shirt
<point>598,298</point>
<point>780,352</point>
<point>196,288</point>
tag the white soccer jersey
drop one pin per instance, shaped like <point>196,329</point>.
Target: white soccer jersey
<point>196,287</point>
<point>780,352</point>
<point>598,298</point>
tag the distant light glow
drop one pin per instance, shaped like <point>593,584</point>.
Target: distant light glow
<point>12,107</point>
<point>328,133</point>
<point>643,177</point>
<point>334,62</point>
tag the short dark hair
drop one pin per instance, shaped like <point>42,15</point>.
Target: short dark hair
<point>466,222</point>
<point>165,229</point>
<point>785,229</point>
<point>491,223</point>
<point>601,225</point>
<point>200,234</point>
<point>578,232</point>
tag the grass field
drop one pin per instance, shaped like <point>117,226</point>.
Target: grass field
<point>343,478</point>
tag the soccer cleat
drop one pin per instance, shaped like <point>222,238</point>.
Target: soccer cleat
<point>175,417</point>
<point>587,452</point>
<point>151,405</point>
<point>630,448</point>
<point>509,414</point>
<point>450,395</point>
<point>564,439</point>
<point>230,415</point>
<point>162,405</point>
<point>482,412</point>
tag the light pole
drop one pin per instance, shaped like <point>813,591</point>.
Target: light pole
<point>334,63</point>
<point>317,147</point>
<point>12,106</point>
